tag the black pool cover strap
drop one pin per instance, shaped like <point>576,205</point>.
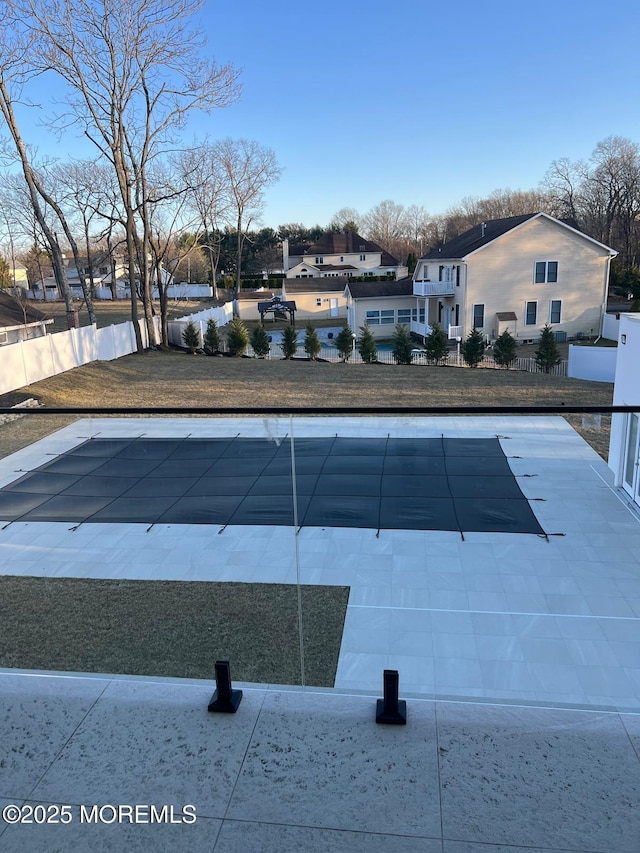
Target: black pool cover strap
<point>402,483</point>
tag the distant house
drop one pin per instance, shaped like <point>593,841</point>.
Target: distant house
<point>381,305</point>
<point>339,254</point>
<point>624,445</point>
<point>110,277</point>
<point>517,274</point>
<point>315,300</point>
<point>19,321</point>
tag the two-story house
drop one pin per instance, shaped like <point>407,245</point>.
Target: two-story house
<point>516,273</point>
<point>340,254</point>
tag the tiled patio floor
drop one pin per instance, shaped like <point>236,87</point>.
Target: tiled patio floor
<point>493,616</point>
<point>519,656</point>
<point>305,771</point>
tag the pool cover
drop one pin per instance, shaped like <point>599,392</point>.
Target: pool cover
<point>401,483</point>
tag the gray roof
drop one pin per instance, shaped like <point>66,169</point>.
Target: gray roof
<point>315,285</point>
<point>477,237</point>
<point>343,243</point>
<point>11,313</point>
<point>378,289</point>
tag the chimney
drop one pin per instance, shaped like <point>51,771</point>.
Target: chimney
<point>483,227</point>
<point>285,254</point>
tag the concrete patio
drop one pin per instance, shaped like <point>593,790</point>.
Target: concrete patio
<point>296,770</point>
<point>519,655</point>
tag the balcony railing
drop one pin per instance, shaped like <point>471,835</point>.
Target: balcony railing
<point>433,288</point>
<point>454,332</point>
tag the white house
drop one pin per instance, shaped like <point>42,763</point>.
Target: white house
<point>110,278</point>
<point>516,273</point>
<point>624,444</point>
<point>339,254</point>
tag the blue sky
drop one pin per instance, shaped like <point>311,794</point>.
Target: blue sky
<point>421,102</point>
<point>418,102</point>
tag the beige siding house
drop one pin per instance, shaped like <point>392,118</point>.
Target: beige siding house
<point>517,274</point>
<point>319,299</point>
<point>380,305</point>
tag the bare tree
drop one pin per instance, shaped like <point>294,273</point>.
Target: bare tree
<point>249,169</point>
<point>562,182</point>
<point>208,194</point>
<point>345,219</point>
<point>15,72</point>
<point>386,223</point>
<point>602,195</point>
<point>134,74</point>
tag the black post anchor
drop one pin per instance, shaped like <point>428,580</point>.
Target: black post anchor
<point>390,710</point>
<point>224,700</point>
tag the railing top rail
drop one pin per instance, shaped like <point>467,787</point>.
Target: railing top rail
<point>286,411</point>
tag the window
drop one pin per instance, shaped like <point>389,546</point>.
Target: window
<point>478,316</point>
<point>103,270</point>
<point>380,318</point>
<point>318,301</point>
<point>531,313</point>
<point>546,271</point>
<point>320,260</point>
<point>404,316</point>
<point>556,310</point>
<point>341,259</point>
<point>363,257</point>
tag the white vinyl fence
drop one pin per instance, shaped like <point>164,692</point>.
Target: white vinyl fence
<point>610,326</point>
<point>30,361</point>
<point>220,315</point>
<point>595,363</point>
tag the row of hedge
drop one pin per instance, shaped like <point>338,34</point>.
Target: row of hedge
<point>436,348</point>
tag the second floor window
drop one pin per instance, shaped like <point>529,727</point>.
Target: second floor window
<point>546,272</point>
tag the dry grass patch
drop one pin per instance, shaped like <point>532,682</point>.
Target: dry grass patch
<point>109,313</point>
<point>171,628</point>
<point>173,378</point>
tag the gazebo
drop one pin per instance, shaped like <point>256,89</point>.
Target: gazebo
<point>279,308</point>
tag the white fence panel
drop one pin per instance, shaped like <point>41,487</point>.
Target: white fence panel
<point>38,356</point>
<point>13,373</point>
<point>221,315</point>
<point>610,326</point>
<point>86,346</point>
<point>104,343</point>
<point>63,352</point>
<point>186,291</point>
<point>595,363</point>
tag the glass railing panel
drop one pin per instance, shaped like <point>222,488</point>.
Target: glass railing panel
<point>463,549</point>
